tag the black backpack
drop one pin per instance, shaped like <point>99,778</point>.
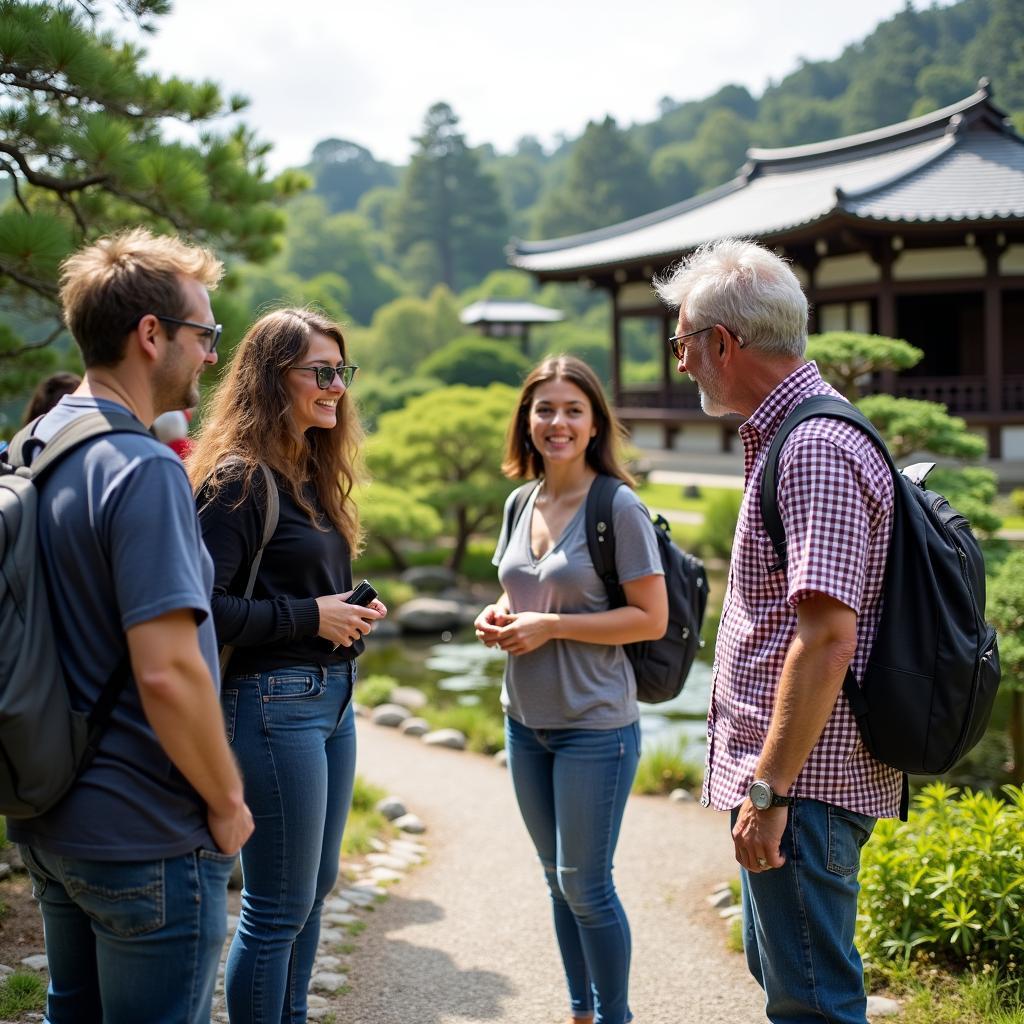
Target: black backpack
<point>45,744</point>
<point>660,666</point>
<point>933,671</point>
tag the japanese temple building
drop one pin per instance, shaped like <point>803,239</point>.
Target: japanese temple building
<point>508,318</point>
<point>913,231</point>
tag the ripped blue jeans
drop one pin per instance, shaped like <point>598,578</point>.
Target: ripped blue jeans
<point>572,786</point>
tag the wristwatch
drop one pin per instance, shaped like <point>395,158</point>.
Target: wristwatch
<point>762,796</point>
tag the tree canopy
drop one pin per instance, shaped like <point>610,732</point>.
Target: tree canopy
<point>82,148</point>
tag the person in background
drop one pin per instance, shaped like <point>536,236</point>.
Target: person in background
<point>572,722</point>
<point>284,403</point>
<point>131,867</point>
<point>172,429</point>
<point>49,391</point>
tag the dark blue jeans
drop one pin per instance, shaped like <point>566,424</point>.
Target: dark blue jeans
<point>799,920</point>
<point>572,786</point>
<point>131,941</point>
<point>293,733</point>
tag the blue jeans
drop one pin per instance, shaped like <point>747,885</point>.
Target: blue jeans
<point>572,786</point>
<point>131,941</point>
<point>799,920</point>
<point>293,732</point>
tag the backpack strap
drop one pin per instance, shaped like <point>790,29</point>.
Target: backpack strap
<point>82,428</point>
<point>515,510</point>
<point>817,405</point>
<point>601,535</point>
<point>271,513</point>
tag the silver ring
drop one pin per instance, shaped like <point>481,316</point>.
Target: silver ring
<point>762,863</point>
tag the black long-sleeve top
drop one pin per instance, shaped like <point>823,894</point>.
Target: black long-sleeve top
<point>277,627</point>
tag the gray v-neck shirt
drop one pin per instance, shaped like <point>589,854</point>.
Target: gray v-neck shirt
<point>567,684</point>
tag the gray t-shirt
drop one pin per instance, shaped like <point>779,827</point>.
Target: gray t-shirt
<point>566,684</point>
<point>121,544</point>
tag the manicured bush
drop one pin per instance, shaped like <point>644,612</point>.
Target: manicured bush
<point>719,526</point>
<point>666,767</point>
<point>947,886</point>
<point>374,690</point>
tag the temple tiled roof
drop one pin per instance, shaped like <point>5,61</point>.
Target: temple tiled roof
<point>504,311</point>
<point>962,163</point>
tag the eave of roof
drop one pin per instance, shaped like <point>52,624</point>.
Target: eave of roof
<point>928,169</point>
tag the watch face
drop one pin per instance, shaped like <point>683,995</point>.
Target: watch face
<point>760,794</point>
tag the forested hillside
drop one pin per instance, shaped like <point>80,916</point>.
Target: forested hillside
<point>395,252</point>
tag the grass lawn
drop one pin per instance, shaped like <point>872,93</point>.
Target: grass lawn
<point>670,496</point>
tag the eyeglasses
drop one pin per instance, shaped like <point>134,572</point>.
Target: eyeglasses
<point>678,341</point>
<point>210,332</point>
<point>325,374</point>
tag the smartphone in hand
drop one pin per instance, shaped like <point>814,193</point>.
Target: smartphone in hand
<point>363,594</point>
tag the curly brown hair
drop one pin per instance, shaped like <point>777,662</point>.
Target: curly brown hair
<point>603,452</point>
<point>248,422</point>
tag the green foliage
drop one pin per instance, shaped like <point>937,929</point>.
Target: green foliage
<point>82,147</point>
<point>374,691</point>
<point>665,767</point>
<point>1017,497</point>
<point>984,997</point>
<point>909,425</point>
<point>393,516</point>
<point>344,172</point>
<point>946,886</point>
<point>719,526</point>
<point>391,389</point>
<point>477,362</point>
<point>845,357</point>
<point>607,181</point>
<point>364,823</point>
<point>449,207</point>
<point>1005,610</point>
<point>483,727</point>
<point>409,329</point>
<point>21,992</point>
<point>444,448</point>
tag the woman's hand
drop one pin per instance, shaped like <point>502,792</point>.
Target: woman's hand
<point>343,624</point>
<point>522,632</point>
<point>488,623</point>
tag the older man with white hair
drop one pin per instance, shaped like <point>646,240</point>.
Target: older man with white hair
<point>784,753</point>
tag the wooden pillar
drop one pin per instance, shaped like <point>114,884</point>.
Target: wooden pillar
<point>616,347</point>
<point>993,350</point>
<point>886,308</point>
<point>668,363</point>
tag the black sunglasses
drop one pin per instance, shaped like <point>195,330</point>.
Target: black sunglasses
<point>325,374</point>
<point>211,332</point>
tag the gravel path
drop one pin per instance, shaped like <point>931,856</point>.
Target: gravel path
<point>467,936</point>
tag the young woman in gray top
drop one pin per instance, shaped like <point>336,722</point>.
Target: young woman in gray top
<point>573,736</point>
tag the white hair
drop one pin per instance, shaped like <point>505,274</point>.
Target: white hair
<point>742,286</point>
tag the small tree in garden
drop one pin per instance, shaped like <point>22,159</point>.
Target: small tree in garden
<point>392,516</point>
<point>445,449</point>
<point>1005,608</point>
<point>847,357</point>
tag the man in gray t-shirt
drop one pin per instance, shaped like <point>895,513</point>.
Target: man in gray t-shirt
<point>568,684</point>
<point>130,867</point>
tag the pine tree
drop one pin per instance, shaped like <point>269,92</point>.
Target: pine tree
<point>83,153</point>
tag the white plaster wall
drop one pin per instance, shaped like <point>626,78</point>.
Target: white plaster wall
<point>637,295</point>
<point>1013,260</point>
<point>646,435</point>
<point>856,268</point>
<point>696,437</point>
<point>926,264</point>
<point>1013,443</point>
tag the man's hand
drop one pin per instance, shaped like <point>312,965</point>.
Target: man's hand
<point>231,830</point>
<point>757,837</point>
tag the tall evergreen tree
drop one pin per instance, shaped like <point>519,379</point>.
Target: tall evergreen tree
<point>449,202</point>
<point>82,150</point>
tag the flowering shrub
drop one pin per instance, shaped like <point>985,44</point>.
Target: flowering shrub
<point>947,886</point>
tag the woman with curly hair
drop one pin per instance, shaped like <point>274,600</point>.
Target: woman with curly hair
<point>283,407</point>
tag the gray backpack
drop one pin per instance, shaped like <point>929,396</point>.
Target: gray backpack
<point>45,744</point>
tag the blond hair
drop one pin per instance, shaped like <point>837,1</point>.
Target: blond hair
<point>107,287</point>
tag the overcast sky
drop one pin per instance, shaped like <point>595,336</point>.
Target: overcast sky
<point>313,69</point>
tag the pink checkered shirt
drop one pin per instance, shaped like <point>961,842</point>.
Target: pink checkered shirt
<point>835,496</point>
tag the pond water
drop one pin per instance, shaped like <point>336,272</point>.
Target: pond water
<point>461,670</point>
